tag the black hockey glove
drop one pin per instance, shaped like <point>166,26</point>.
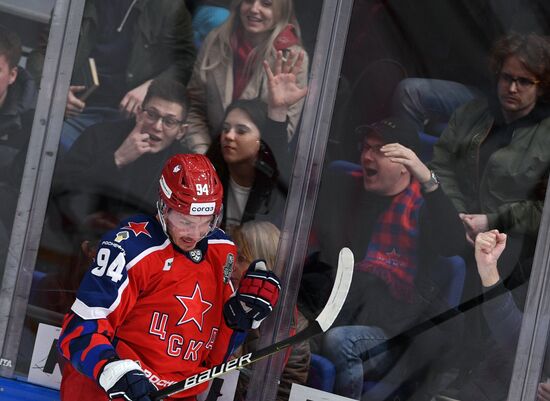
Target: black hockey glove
<point>254,300</point>
<point>124,379</point>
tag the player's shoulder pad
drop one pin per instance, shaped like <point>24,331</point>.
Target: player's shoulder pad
<point>135,235</point>
<point>222,253</point>
<point>217,237</point>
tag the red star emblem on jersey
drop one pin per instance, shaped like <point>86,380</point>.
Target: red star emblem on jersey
<point>195,308</point>
<point>138,228</point>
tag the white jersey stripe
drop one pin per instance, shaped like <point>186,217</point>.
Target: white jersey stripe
<point>221,241</point>
<point>146,252</point>
<point>96,312</point>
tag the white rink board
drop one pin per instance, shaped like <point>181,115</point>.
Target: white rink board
<point>44,369</point>
<point>228,388</point>
<point>303,393</point>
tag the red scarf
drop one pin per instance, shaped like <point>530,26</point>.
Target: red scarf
<point>392,252</point>
<point>243,54</point>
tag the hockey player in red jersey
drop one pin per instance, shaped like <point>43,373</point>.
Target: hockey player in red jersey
<point>157,304</point>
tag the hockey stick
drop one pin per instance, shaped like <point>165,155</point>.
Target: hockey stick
<point>321,324</point>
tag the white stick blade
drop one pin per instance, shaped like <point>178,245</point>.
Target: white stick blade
<point>339,290</point>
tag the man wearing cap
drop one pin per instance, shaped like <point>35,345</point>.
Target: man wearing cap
<point>396,219</point>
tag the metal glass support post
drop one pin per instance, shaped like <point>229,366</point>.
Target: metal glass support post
<point>310,152</point>
<point>534,335</point>
<point>37,176</point>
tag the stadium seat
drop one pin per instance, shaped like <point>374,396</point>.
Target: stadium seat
<point>322,373</point>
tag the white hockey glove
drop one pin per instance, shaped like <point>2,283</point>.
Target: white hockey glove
<point>254,300</point>
<point>124,379</point>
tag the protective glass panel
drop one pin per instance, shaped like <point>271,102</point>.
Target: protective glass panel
<point>23,26</point>
<point>24,39</point>
<point>126,115</point>
<point>438,136</point>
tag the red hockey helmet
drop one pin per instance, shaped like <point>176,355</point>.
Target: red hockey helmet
<point>190,185</point>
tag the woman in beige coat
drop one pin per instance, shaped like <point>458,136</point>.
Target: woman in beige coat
<point>229,65</point>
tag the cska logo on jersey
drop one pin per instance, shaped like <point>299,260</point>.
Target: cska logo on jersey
<point>138,228</point>
<point>195,308</point>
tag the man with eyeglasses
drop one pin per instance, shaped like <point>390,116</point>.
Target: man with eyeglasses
<point>493,161</point>
<point>157,305</point>
<point>115,165</point>
<point>396,220</point>
<point>132,43</point>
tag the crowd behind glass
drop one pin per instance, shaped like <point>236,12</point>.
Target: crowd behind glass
<point>436,170</point>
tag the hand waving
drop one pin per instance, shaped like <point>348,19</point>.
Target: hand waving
<point>282,87</point>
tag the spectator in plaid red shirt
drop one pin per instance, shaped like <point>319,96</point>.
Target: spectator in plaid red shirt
<point>395,218</point>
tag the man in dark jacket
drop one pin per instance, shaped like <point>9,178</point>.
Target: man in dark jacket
<point>492,158</point>
<point>132,42</point>
<point>396,220</point>
<point>493,162</point>
<point>17,102</point>
<point>17,98</point>
<point>115,166</point>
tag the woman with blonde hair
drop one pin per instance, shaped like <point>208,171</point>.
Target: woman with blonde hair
<point>259,240</point>
<point>229,65</point>
<point>254,240</point>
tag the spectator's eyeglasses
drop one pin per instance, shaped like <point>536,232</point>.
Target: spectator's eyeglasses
<point>521,82</point>
<point>365,147</point>
<point>168,122</point>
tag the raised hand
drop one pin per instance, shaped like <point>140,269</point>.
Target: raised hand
<point>283,91</point>
<point>488,248</point>
<point>134,146</point>
<point>398,153</point>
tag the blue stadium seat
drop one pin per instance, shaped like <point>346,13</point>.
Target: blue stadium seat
<point>427,143</point>
<point>322,373</point>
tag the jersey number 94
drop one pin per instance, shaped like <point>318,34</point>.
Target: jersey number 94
<point>103,267</point>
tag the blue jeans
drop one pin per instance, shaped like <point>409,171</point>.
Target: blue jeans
<point>205,19</point>
<point>347,347</point>
<point>425,101</point>
<point>74,126</point>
